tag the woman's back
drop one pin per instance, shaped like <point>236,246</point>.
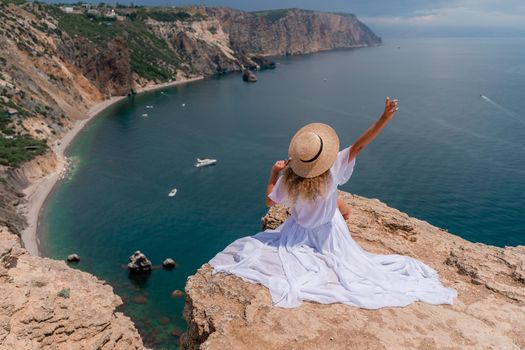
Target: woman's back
<point>311,214</point>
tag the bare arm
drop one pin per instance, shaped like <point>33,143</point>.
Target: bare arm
<point>370,134</point>
<point>343,208</point>
<point>274,175</point>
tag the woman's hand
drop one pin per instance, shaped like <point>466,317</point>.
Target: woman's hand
<point>390,108</point>
<point>276,169</point>
<point>372,132</point>
<point>279,166</point>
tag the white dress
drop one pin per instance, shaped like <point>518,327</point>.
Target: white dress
<point>312,256</point>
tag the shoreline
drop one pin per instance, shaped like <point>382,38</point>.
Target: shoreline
<point>38,191</point>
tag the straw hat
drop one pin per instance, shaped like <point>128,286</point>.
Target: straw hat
<point>313,150</point>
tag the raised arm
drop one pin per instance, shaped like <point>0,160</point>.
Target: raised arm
<point>274,175</point>
<point>369,135</point>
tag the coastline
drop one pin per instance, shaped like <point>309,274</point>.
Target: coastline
<point>38,191</point>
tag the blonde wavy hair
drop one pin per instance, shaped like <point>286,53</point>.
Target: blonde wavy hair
<point>308,188</point>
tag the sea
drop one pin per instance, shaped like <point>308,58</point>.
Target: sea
<point>454,155</point>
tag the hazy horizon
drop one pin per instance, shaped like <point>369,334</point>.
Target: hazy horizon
<point>404,18</point>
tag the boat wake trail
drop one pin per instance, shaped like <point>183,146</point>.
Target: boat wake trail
<point>515,116</point>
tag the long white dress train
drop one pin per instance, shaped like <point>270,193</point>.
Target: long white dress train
<point>312,256</point>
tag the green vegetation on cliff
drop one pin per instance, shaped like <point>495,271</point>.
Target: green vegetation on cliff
<point>14,148</point>
<point>20,149</point>
<point>272,15</point>
<point>99,31</point>
<point>151,57</point>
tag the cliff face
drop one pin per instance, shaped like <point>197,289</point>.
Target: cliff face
<point>223,312</point>
<point>292,32</point>
<point>12,181</point>
<point>44,304</point>
<point>219,40</point>
<point>108,68</point>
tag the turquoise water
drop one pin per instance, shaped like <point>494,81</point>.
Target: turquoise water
<point>450,156</point>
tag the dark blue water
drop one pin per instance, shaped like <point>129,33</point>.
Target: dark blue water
<point>450,156</point>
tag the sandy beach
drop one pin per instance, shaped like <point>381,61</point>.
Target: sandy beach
<point>37,192</point>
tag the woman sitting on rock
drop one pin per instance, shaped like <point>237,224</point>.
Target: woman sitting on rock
<point>312,255</point>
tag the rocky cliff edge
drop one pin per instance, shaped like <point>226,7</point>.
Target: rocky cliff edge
<point>223,312</point>
<point>44,304</point>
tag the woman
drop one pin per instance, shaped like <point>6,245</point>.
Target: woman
<point>312,255</point>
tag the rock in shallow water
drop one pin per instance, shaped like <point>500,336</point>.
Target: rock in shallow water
<point>139,263</point>
<point>164,320</point>
<point>73,258</point>
<point>169,264</point>
<point>140,299</point>
<point>176,332</point>
<point>249,77</point>
<point>263,62</point>
<point>177,293</point>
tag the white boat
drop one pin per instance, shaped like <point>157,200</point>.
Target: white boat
<point>145,114</point>
<point>149,106</point>
<point>173,192</point>
<point>205,162</point>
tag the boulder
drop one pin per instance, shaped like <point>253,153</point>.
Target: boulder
<point>176,332</point>
<point>169,264</point>
<point>263,62</point>
<point>249,77</point>
<point>73,258</point>
<point>140,299</point>
<point>177,293</point>
<point>139,263</point>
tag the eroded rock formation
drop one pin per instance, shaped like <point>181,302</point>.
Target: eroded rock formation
<point>44,304</point>
<point>223,312</point>
<point>292,31</point>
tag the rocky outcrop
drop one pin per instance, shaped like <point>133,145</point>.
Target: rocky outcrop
<point>249,77</point>
<point>202,45</point>
<point>10,200</point>
<point>219,40</point>
<point>109,69</point>
<point>263,62</point>
<point>12,181</point>
<point>223,312</point>
<point>43,305</point>
<point>169,264</point>
<point>33,170</point>
<point>292,31</point>
<point>139,263</point>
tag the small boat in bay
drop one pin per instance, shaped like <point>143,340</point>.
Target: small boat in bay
<point>173,192</point>
<point>205,162</point>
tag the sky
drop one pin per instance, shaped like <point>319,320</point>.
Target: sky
<point>394,18</point>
